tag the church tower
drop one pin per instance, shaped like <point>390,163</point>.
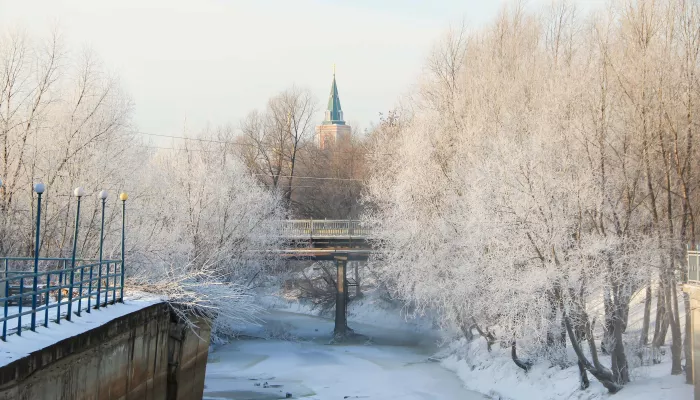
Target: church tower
<point>333,129</point>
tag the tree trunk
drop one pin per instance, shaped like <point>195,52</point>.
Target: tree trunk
<point>524,365</point>
<point>661,325</point>
<point>467,331</point>
<point>608,326</point>
<point>620,368</point>
<point>620,300</point>
<point>644,337</point>
<point>358,290</point>
<point>604,376</point>
<point>583,376</point>
<point>490,339</point>
<point>674,322</point>
<point>562,334</point>
<point>552,315</point>
<point>625,313</point>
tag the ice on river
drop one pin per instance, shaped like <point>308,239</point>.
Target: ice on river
<point>393,365</point>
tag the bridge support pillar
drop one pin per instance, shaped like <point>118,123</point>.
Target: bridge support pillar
<point>341,293</point>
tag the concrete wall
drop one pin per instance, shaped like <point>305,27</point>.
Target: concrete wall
<point>142,355</point>
<point>188,350</point>
<point>694,363</point>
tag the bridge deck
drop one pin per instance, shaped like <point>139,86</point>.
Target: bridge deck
<point>325,254</point>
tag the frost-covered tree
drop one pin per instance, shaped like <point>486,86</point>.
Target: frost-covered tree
<point>199,226</point>
<point>541,175</point>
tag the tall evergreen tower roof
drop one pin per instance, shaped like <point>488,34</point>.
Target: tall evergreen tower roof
<point>334,113</point>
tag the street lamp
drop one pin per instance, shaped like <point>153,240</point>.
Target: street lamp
<point>103,197</point>
<point>123,197</point>
<point>79,193</point>
<point>39,189</point>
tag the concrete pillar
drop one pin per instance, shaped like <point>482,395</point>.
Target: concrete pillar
<point>341,291</point>
<point>358,289</point>
<point>694,363</point>
<point>695,343</point>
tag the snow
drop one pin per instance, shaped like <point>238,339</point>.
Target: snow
<point>17,347</point>
<point>495,374</point>
<point>371,309</point>
<point>393,364</point>
<point>295,356</point>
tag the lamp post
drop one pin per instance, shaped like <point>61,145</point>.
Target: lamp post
<point>103,197</point>
<point>79,193</point>
<point>123,197</point>
<point>39,189</point>
<point>5,294</point>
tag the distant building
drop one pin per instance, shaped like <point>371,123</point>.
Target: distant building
<point>333,129</point>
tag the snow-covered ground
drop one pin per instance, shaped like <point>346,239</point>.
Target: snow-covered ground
<point>17,347</point>
<point>389,364</point>
<point>495,374</point>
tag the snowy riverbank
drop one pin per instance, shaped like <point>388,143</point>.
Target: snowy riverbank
<point>495,374</point>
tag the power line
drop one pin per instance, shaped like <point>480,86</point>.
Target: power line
<point>172,148</point>
<point>268,175</point>
<point>197,139</point>
<point>312,177</point>
<point>235,143</point>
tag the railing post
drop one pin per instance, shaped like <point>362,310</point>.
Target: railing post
<point>78,192</point>
<point>19,308</point>
<point>46,299</point>
<point>7,294</point>
<point>39,189</point>
<point>123,197</point>
<point>107,287</point>
<point>59,295</point>
<point>103,198</point>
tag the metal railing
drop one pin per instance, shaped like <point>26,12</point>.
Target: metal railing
<point>323,229</point>
<point>57,285</point>
<point>68,280</point>
<point>694,266</point>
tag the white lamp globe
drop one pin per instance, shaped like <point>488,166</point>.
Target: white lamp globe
<point>39,187</point>
<point>79,192</point>
<point>103,194</point>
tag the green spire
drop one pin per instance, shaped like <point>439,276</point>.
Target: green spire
<point>334,114</point>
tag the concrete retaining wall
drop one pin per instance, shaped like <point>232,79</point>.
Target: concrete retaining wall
<point>142,355</point>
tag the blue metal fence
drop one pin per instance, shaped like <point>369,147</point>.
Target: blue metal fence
<point>28,284</point>
<point>98,284</point>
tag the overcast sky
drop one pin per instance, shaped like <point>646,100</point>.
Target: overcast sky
<point>212,61</point>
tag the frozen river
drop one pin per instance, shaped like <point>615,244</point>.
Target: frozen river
<point>393,365</point>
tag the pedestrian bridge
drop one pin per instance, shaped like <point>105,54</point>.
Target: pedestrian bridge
<point>324,229</point>
<point>334,240</point>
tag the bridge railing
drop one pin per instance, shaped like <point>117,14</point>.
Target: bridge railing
<point>58,286</point>
<point>323,229</point>
<point>694,266</point>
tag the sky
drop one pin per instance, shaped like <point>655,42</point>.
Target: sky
<point>189,64</point>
